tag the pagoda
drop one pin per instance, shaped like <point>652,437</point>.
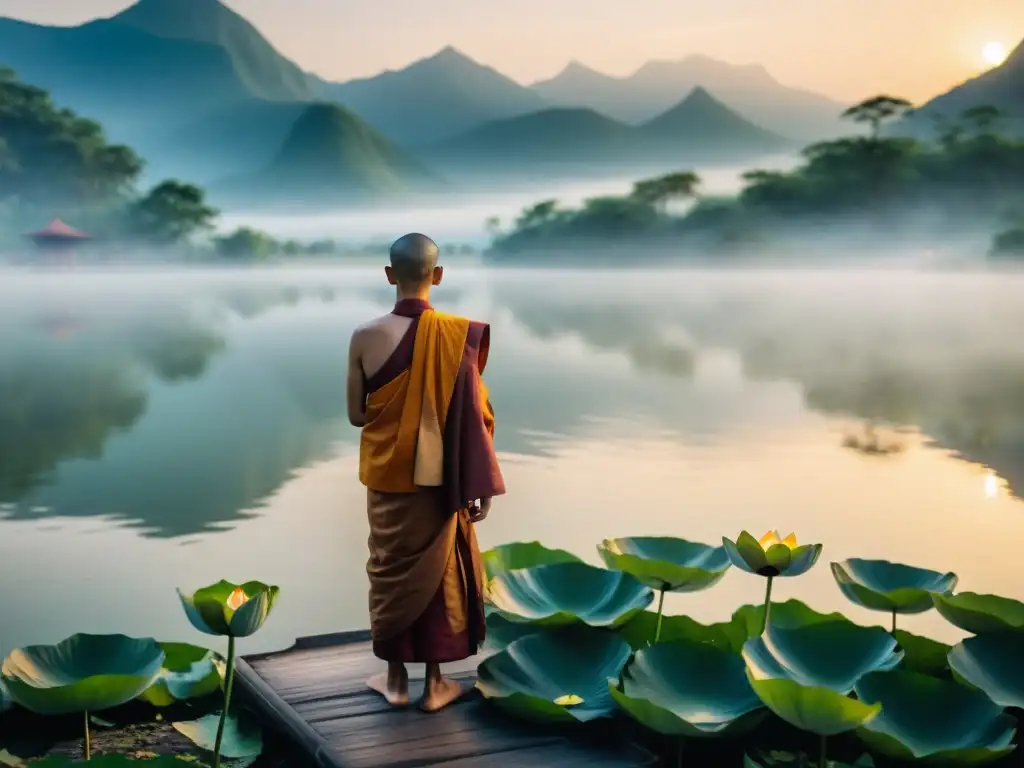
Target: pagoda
<point>59,238</point>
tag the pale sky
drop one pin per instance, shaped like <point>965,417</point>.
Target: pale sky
<point>848,49</point>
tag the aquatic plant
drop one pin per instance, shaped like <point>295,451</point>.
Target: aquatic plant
<point>778,759</point>
<point>567,593</point>
<point>232,611</point>
<point>666,564</point>
<point>980,614</point>
<point>188,672</point>
<point>523,554</point>
<point>84,673</point>
<point>993,662</point>
<point>939,721</point>
<point>558,676</point>
<point>771,556</point>
<point>805,673</point>
<point>881,585</point>
<point>688,688</point>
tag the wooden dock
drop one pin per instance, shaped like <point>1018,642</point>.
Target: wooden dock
<point>315,693</point>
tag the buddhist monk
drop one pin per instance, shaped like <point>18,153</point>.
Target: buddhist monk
<point>426,457</point>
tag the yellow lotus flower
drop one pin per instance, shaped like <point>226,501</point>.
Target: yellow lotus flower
<point>771,555</point>
<point>236,599</point>
<point>772,537</point>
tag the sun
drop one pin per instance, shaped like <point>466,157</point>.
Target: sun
<point>994,53</point>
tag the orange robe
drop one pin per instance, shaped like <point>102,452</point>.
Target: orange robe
<point>426,453</point>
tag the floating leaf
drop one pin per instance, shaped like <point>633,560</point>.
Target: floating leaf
<point>880,585</point>
<point>188,672</point>
<point>993,662</point>
<point>523,554</point>
<point>813,709</point>
<point>241,737</point>
<point>936,720</point>
<point>688,688</point>
<point>85,673</point>
<point>567,593</point>
<point>666,563</point>
<point>559,675</point>
<point>639,631</point>
<point>980,614</point>
<point>797,760</point>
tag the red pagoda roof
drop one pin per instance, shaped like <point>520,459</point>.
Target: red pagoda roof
<point>58,230</point>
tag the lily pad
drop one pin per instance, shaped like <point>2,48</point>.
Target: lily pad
<point>880,585</point>
<point>501,632</point>
<point>639,631</point>
<point>777,759</point>
<point>826,654</point>
<point>566,593</point>
<point>85,673</point>
<point>813,709</point>
<point>241,737</point>
<point>558,676</point>
<point>188,672</point>
<point>113,761</point>
<point>979,614</point>
<point>688,688</point>
<point>523,554</point>
<point>666,563</point>
<point>789,614</point>
<point>938,721</point>
<point>922,654</point>
<point>994,663</point>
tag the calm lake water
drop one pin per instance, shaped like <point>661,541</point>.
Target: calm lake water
<point>164,429</point>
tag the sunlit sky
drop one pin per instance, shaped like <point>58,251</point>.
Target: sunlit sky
<point>844,48</point>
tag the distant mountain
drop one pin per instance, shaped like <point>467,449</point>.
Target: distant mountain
<point>263,71</point>
<point>153,67</point>
<point>698,129</point>
<point>1001,87</point>
<point>328,156</point>
<point>658,85</point>
<point>435,98</point>
<point>702,123</point>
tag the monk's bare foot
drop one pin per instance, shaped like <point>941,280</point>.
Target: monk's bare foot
<point>439,692</point>
<point>394,688</point>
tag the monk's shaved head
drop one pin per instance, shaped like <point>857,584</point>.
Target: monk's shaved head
<point>413,258</point>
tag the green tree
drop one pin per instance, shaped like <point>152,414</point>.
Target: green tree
<point>876,110</point>
<point>659,191</point>
<point>246,243</point>
<point>983,118</point>
<point>171,212</point>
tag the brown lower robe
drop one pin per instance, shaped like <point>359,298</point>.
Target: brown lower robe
<point>426,576</point>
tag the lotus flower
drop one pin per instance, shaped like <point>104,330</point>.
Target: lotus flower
<point>85,673</point>
<point>938,721</point>
<point>666,564</point>
<point>232,610</point>
<point>558,676</point>
<point>980,614</point>
<point>770,557</point>
<point>880,585</point>
<point>688,688</point>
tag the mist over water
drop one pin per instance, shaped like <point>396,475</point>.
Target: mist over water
<point>163,428</point>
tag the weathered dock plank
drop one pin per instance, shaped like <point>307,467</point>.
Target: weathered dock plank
<point>316,691</point>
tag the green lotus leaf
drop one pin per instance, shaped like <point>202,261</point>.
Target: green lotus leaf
<point>688,688</point>
<point>776,759</point>
<point>639,632</point>
<point>188,672</point>
<point>112,761</point>
<point>828,654</point>
<point>6,702</point>
<point>994,663</point>
<point>501,632</point>
<point>523,554</point>
<point>880,585</point>
<point>789,614</point>
<point>226,609</point>
<point>242,738</point>
<point>938,721</point>
<point>979,614</point>
<point>812,709</point>
<point>84,673</point>
<point>559,675</point>
<point>666,563</point>
<point>565,593</point>
<point>922,654</point>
